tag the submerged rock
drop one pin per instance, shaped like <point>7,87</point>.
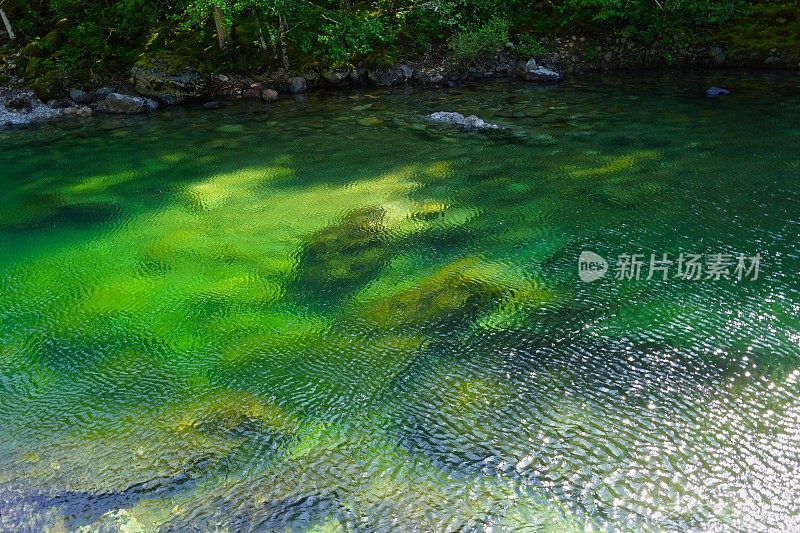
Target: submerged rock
<point>535,72</point>
<point>118,520</point>
<point>471,122</point>
<point>716,92</point>
<point>116,103</point>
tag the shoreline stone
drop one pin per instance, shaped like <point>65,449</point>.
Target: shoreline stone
<point>123,104</point>
<point>536,72</point>
<point>298,85</point>
<point>169,88</point>
<point>269,95</point>
<point>80,96</point>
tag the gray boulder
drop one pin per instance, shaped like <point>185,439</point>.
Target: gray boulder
<point>717,54</point>
<point>358,75</point>
<point>297,85</point>
<point>169,87</point>
<point>534,72</point>
<point>269,95</point>
<point>123,104</point>
<point>80,96</point>
<point>81,111</point>
<point>102,92</point>
<point>391,76</point>
<point>471,122</point>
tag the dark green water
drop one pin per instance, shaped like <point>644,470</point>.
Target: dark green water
<point>328,315</point>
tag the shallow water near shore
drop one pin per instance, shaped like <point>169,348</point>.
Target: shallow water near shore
<point>329,315</point>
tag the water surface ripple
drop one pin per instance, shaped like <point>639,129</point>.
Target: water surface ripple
<point>329,315</point>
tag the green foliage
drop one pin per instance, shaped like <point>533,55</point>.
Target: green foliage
<point>85,41</point>
<point>650,19</point>
<point>767,26</point>
<point>468,46</point>
<point>530,46</point>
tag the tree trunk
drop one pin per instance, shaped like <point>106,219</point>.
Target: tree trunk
<point>223,33</point>
<point>7,24</point>
<point>282,38</point>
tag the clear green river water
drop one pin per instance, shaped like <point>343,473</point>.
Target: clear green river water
<point>330,315</point>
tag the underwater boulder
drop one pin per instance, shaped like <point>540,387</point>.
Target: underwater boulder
<point>472,122</point>
<point>716,92</point>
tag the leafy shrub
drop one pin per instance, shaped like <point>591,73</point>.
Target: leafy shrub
<point>468,46</point>
<point>529,46</point>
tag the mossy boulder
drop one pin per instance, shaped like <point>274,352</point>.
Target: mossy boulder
<point>46,87</point>
<point>54,40</point>
<point>33,49</point>
<point>170,79</point>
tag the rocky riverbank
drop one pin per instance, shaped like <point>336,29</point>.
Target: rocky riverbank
<point>161,83</point>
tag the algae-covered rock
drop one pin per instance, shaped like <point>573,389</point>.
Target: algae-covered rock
<point>116,521</point>
<point>341,258</point>
<point>233,414</point>
<point>449,294</point>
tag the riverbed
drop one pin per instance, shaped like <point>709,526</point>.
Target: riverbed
<point>328,314</point>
